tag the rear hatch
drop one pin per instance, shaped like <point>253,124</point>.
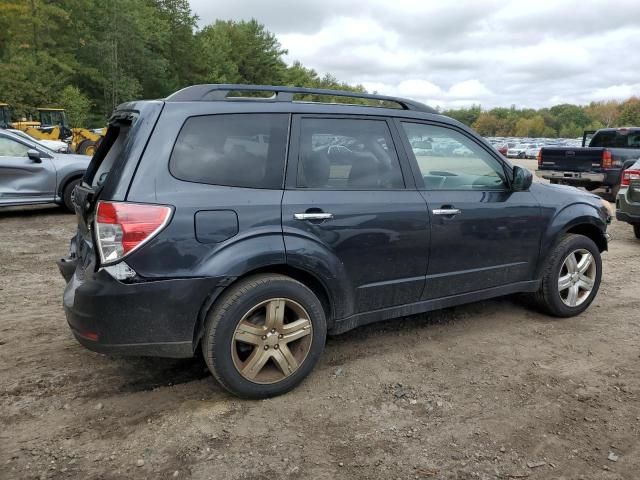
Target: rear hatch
<point>571,159</point>
<point>109,176</point>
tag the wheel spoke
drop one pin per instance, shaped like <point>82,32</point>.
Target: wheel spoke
<point>296,330</point>
<point>285,360</point>
<point>275,314</point>
<point>564,282</point>
<point>249,333</point>
<point>255,362</point>
<point>572,298</point>
<point>571,263</point>
<point>586,283</point>
<point>585,263</point>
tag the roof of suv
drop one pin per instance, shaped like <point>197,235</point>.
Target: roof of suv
<point>221,92</point>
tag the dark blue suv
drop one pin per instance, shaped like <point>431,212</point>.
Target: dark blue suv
<point>251,221</point>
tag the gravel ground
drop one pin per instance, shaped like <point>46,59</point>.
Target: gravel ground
<point>487,390</point>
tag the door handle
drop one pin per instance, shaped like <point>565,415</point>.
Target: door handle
<point>446,211</point>
<point>313,216</point>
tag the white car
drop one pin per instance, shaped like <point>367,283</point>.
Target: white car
<point>519,151</point>
<point>57,146</point>
<point>533,151</point>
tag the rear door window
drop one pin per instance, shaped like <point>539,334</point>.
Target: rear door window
<point>239,150</point>
<point>347,154</point>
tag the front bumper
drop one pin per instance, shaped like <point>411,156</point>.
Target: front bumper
<point>150,318</point>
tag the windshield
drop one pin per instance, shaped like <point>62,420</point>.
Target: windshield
<point>31,141</point>
<point>621,138</point>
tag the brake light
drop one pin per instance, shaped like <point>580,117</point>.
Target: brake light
<point>607,161</point>
<point>124,227</point>
<point>628,176</point>
<point>539,157</point>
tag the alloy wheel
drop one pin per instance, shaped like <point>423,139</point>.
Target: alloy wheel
<point>577,277</point>
<point>271,341</point>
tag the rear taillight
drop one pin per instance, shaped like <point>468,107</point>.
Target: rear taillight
<point>124,227</point>
<point>628,176</point>
<point>539,157</point>
<point>607,161</point>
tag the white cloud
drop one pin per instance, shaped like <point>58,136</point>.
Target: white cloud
<point>491,52</point>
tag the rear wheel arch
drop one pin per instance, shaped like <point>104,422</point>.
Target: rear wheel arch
<point>69,178</point>
<point>311,281</point>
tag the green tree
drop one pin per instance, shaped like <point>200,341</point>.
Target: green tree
<point>487,124</point>
<point>76,104</point>
<point>630,112</point>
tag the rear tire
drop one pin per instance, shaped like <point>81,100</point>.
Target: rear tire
<point>557,273</point>
<point>554,182</point>
<point>67,194</point>
<point>613,194</point>
<point>636,230</point>
<point>245,343</point>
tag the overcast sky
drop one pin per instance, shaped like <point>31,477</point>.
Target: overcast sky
<point>461,52</point>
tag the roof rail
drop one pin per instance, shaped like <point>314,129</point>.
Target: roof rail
<point>220,92</point>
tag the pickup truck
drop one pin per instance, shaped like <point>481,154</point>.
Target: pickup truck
<point>610,151</point>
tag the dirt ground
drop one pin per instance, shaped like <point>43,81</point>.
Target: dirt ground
<point>483,391</point>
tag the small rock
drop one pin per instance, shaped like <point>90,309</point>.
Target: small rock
<point>535,464</point>
<point>99,406</point>
<point>175,474</point>
<point>439,404</point>
<point>612,457</point>
<point>502,449</point>
<point>66,406</point>
<point>341,464</point>
<point>337,372</point>
<point>140,462</point>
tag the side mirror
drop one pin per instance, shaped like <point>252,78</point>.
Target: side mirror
<point>522,179</point>
<point>34,155</point>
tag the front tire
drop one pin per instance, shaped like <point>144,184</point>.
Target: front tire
<point>264,336</point>
<point>571,277</point>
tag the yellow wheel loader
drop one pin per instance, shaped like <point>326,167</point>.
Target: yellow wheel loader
<point>53,126</point>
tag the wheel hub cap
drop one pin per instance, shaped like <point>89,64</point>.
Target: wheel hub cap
<point>577,277</point>
<point>271,341</point>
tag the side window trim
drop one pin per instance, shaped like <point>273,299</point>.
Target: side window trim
<point>412,159</point>
<point>292,163</point>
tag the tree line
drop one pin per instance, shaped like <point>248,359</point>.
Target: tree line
<point>89,56</point>
<point>565,120</point>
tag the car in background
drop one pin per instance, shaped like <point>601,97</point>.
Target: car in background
<point>610,152</point>
<point>628,200</point>
<point>532,151</point>
<point>30,173</point>
<point>518,151</point>
<point>57,146</point>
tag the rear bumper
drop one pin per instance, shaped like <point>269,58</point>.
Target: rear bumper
<point>627,217</point>
<point>152,318</point>
<point>572,177</point>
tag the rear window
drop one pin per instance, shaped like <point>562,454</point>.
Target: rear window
<point>616,139</point>
<point>238,150</point>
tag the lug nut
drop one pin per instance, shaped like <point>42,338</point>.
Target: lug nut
<point>280,336</point>
<point>264,337</point>
<point>276,346</point>
<point>273,330</point>
<point>266,347</point>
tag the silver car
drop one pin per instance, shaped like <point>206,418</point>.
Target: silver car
<point>30,173</point>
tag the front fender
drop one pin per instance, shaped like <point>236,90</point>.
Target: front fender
<point>569,217</point>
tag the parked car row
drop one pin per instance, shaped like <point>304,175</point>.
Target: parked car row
<point>528,147</point>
